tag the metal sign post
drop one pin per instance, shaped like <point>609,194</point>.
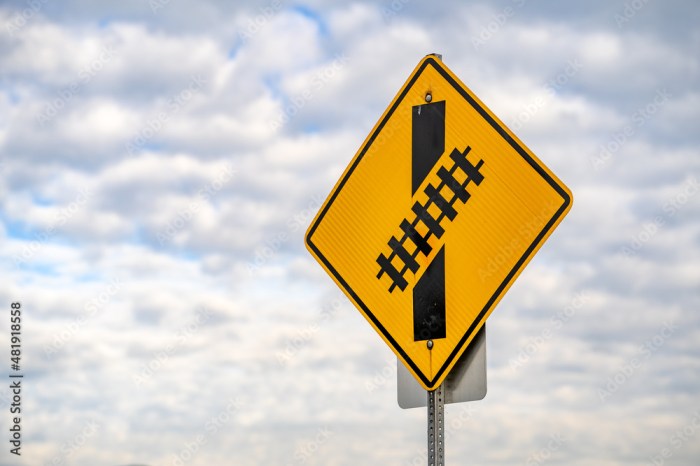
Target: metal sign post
<point>436,427</point>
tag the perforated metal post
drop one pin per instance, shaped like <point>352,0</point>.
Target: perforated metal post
<point>436,427</point>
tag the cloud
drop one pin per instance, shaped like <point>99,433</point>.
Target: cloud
<point>160,162</point>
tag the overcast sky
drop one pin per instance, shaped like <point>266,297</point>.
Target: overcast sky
<point>160,161</point>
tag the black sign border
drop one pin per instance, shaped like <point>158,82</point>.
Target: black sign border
<point>430,61</point>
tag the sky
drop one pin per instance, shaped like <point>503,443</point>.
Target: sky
<point>160,161</point>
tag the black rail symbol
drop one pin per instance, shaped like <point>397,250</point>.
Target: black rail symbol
<point>434,225</point>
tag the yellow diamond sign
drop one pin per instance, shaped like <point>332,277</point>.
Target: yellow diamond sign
<point>436,215</point>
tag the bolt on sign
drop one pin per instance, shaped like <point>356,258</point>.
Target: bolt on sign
<point>435,217</point>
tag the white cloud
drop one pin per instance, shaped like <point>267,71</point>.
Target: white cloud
<point>154,164</point>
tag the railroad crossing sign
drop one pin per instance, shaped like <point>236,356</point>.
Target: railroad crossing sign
<point>435,217</point>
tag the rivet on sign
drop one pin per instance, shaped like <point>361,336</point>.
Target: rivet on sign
<point>430,344</point>
<point>428,97</point>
